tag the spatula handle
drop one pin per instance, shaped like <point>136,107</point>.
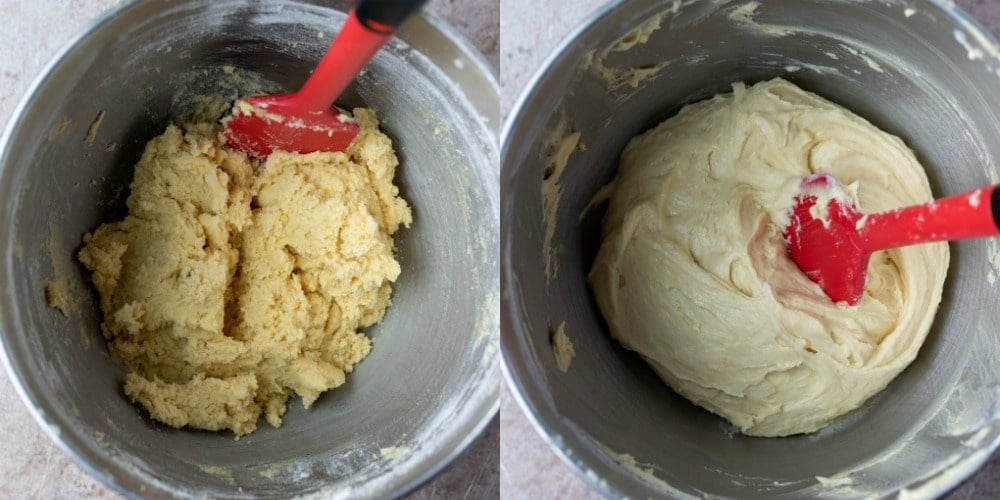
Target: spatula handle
<point>973,214</point>
<point>385,15</point>
<point>366,29</point>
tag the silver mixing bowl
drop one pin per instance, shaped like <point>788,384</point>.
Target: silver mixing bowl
<point>920,69</point>
<point>431,382</point>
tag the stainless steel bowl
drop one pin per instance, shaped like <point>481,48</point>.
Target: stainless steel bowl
<point>431,382</point>
<point>920,69</point>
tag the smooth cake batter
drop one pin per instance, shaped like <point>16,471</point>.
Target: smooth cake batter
<point>231,286</point>
<point>693,273</point>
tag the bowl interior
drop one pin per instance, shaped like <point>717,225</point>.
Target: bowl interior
<point>913,73</point>
<point>430,383</point>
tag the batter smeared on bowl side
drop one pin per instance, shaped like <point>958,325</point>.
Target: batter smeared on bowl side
<point>232,285</point>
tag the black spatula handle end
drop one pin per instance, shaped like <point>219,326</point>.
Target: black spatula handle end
<point>384,16</point>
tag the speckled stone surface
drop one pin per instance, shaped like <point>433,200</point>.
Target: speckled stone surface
<point>31,466</point>
<point>530,31</point>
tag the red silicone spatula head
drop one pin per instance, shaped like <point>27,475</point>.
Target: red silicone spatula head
<point>831,241</point>
<point>823,238</point>
<point>306,121</point>
<point>263,124</point>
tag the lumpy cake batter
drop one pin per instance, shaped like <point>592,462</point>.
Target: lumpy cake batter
<point>693,273</point>
<point>232,285</point>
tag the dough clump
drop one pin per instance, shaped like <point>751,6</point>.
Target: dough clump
<point>232,285</point>
<point>693,273</point>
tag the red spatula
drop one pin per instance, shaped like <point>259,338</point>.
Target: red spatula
<point>306,121</point>
<point>831,241</point>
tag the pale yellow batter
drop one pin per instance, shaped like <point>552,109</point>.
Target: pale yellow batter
<point>231,286</point>
<point>693,273</point>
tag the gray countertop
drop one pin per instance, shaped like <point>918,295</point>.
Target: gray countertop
<point>531,31</point>
<point>31,466</point>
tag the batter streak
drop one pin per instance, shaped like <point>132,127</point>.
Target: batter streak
<point>693,273</point>
<point>230,286</point>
